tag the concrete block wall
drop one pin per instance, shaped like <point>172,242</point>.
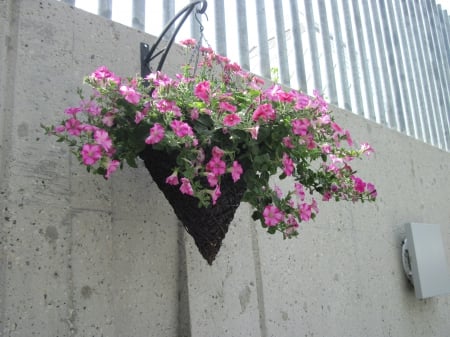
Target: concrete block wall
<point>81,256</point>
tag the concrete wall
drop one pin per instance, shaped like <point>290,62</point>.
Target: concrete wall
<point>81,256</point>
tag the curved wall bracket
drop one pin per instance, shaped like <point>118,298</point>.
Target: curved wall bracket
<point>149,54</point>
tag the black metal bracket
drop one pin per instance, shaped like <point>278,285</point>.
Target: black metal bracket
<point>149,54</point>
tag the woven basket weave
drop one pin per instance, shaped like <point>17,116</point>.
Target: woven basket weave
<point>207,226</point>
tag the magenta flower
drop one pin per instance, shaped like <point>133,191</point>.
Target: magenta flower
<point>59,129</point>
<point>324,119</point>
<point>173,179</point>
<point>138,117</point>
<point>91,153</point>
<point>326,148</point>
<point>276,93</point>
<point>130,94</point>
<point>186,187</point>
<point>188,42</point>
<point>272,215</point>
<point>359,184</point>
<point>108,119</point>
<point>216,194</point>
<point>367,149</point>
<point>225,106</point>
<point>203,90</point>
<point>194,114</point>
<point>73,127</point>
<point>72,111</point>
<point>111,168</point>
<point>337,129</point>
<point>265,112</point>
<point>217,166</point>
<point>217,152</point>
<point>287,141</point>
<point>236,171</point>
<point>299,191</point>
<point>164,106</point>
<point>181,129</point>
<point>305,212</point>
<point>231,120</point>
<point>156,134</point>
<point>300,126</point>
<point>254,132</point>
<point>288,165</point>
<point>102,73</point>
<point>371,189</point>
<point>302,101</point>
<point>101,137</point>
<point>212,179</point>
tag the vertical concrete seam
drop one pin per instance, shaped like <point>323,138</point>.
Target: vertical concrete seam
<point>184,317</point>
<point>7,87</point>
<point>258,281</point>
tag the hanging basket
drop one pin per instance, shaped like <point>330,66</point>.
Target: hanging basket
<point>207,226</point>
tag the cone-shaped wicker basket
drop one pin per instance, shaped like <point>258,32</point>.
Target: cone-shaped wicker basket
<point>207,226</point>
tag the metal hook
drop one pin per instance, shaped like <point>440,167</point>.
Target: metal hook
<point>147,54</point>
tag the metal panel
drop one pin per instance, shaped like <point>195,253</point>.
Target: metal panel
<point>243,34</point>
<point>331,79</point>
<point>220,27</point>
<point>138,20</point>
<point>356,86</point>
<point>298,46</point>
<point>105,8</point>
<point>264,59</point>
<point>281,42</point>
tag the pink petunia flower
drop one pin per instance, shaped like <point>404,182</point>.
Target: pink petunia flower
<point>272,215</point>
<point>305,212</point>
<point>225,106</point>
<point>186,187</point>
<point>231,120</point>
<point>359,184</point>
<point>181,129</point>
<point>72,111</point>
<point>188,42</point>
<point>108,119</point>
<point>102,73</point>
<point>216,194</point>
<point>130,94</point>
<point>138,117</point>
<point>236,171</point>
<point>254,131</point>
<point>212,179</point>
<point>73,127</point>
<point>302,101</point>
<point>299,191</point>
<point>203,90</point>
<point>101,138</point>
<point>287,141</point>
<point>91,153</point>
<point>216,166</point>
<point>217,152</point>
<point>111,168</point>
<point>371,189</point>
<point>173,179</point>
<point>164,106</point>
<point>367,149</point>
<point>300,126</point>
<point>265,112</point>
<point>156,134</point>
<point>288,165</point>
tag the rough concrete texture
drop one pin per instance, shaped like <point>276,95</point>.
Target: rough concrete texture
<point>81,256</point>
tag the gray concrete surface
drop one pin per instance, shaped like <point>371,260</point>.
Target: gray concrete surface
<point>81,256</point>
